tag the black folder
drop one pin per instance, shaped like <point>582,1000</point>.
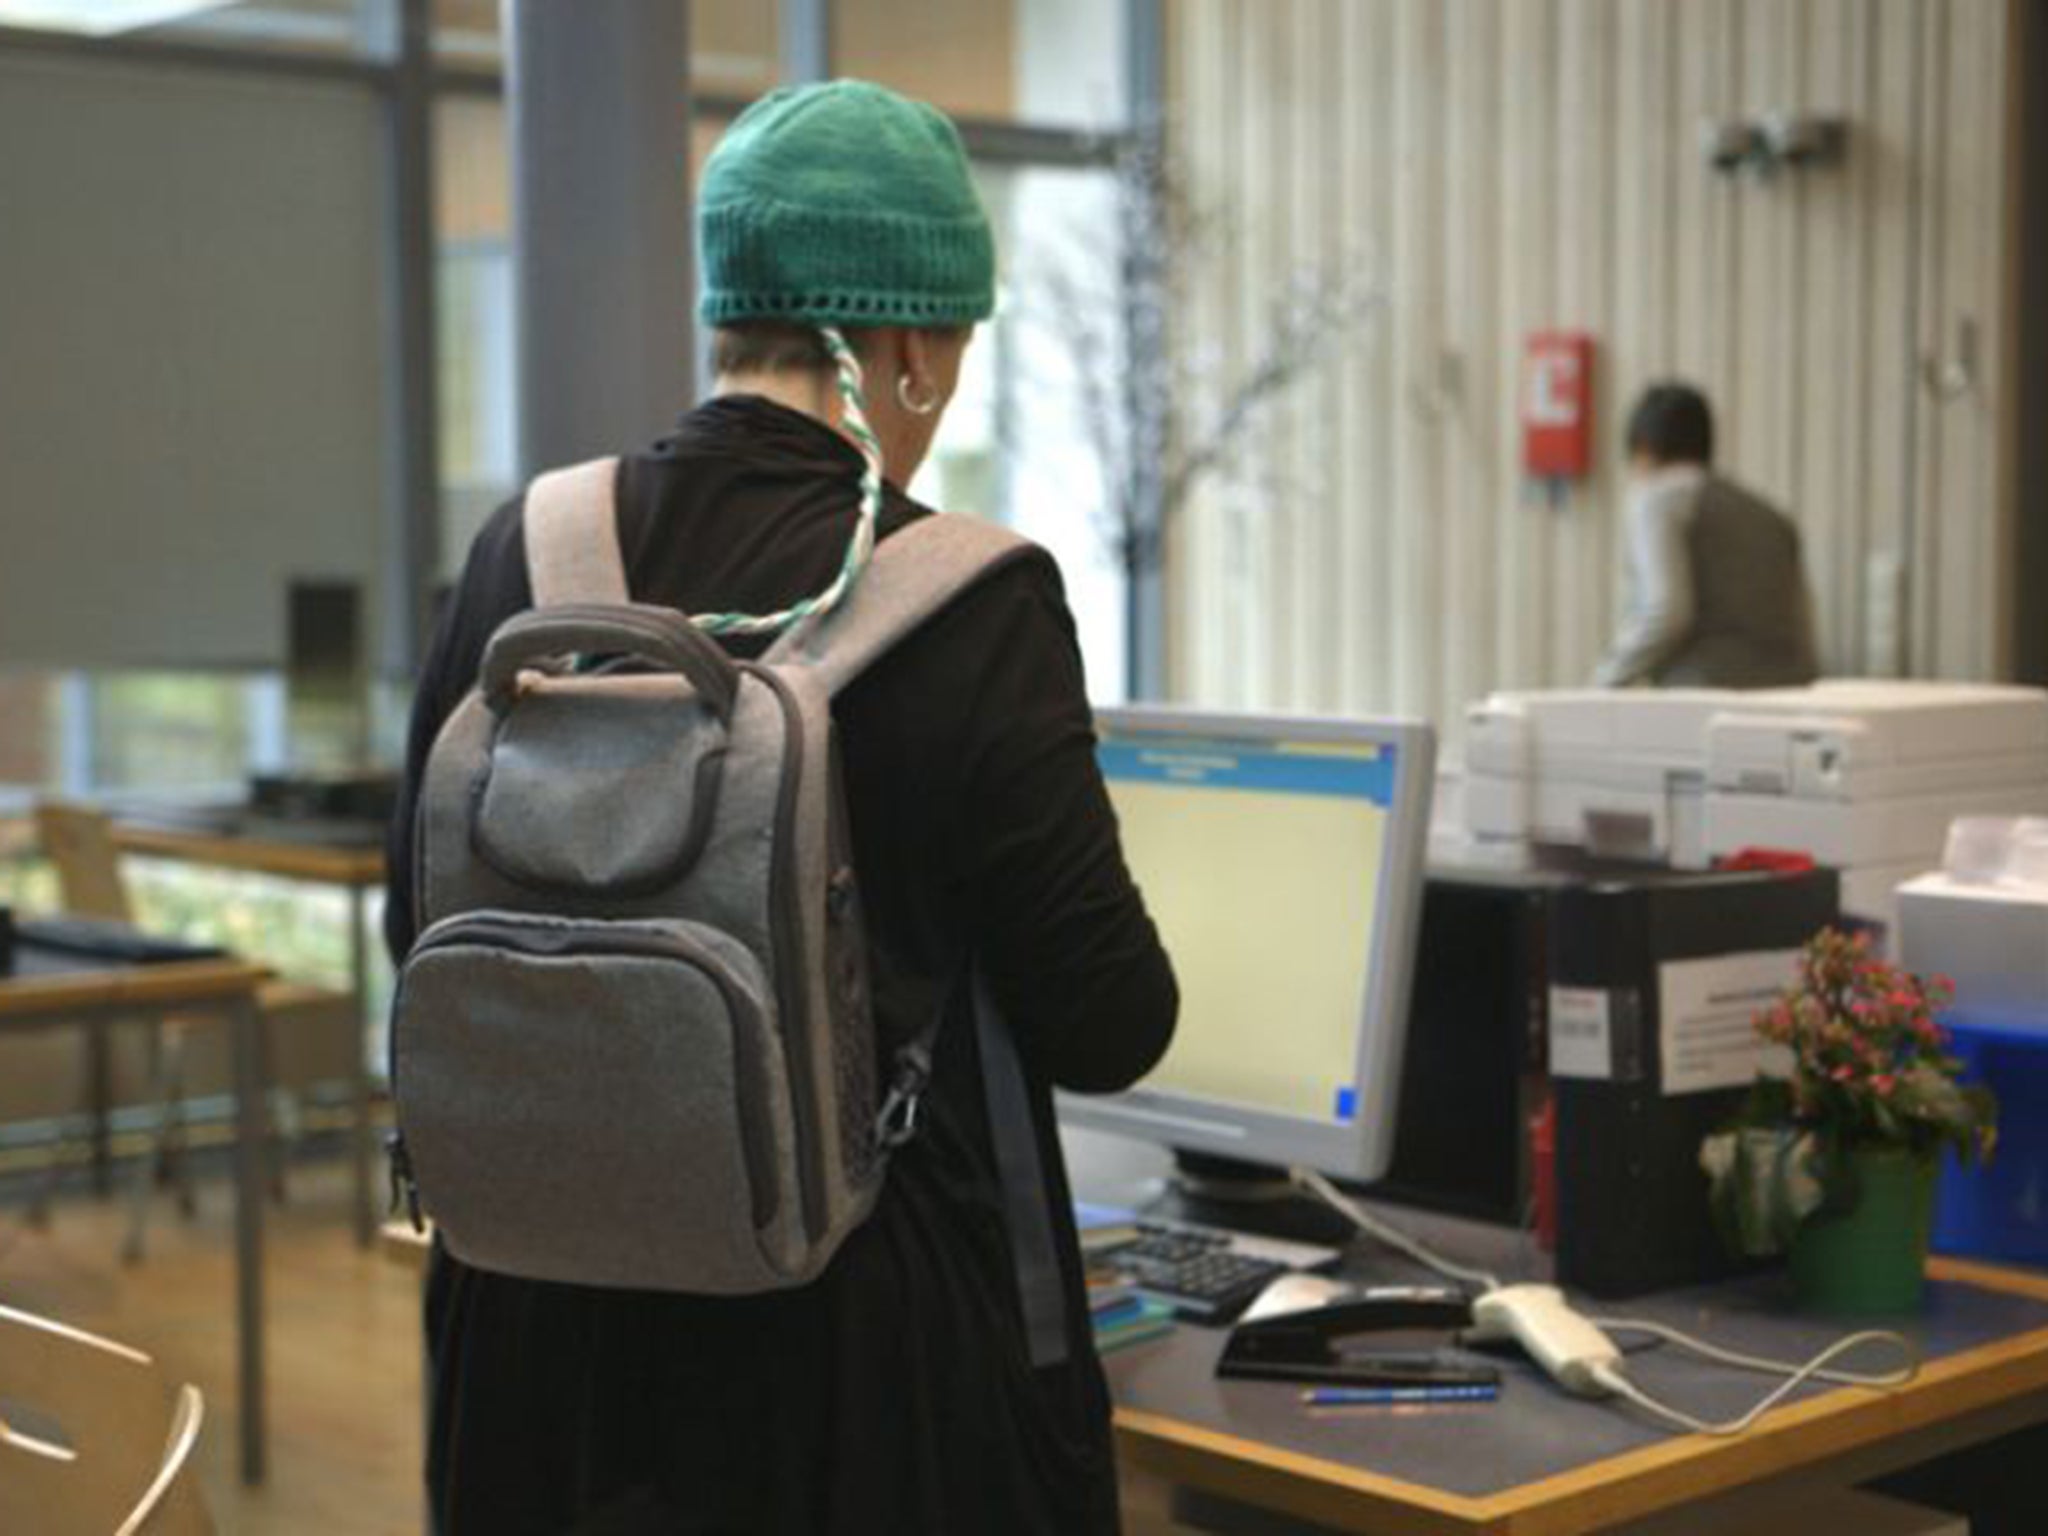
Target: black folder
<point>1631,1199</point>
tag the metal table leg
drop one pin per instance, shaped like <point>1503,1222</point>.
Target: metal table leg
<point>362,1141</point>
<point>246,1023</point>
<point>99,1076</point>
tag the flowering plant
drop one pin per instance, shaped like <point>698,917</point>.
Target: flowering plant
<point>1870,1069</point>
<point>1870,1062</point>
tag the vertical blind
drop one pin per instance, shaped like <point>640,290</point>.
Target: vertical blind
<point>1510,165</point>
<point>192,359</point>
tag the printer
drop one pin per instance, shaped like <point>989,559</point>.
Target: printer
<point>1862,775</point>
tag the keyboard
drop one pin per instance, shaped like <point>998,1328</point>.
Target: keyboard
<point>1205,1274</point>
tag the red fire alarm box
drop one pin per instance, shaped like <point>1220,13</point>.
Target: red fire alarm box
<point>1557,405</point>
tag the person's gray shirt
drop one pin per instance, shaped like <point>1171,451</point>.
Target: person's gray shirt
<point>1715,590</point>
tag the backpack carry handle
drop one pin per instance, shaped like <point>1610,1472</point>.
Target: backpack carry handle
<point>659,636</point>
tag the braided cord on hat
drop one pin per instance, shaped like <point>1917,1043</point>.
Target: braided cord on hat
<point>861,547</point>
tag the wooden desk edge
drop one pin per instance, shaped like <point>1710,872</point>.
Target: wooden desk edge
<point>1268,1477</point>
<point>330,865</point>
<point>141,986</point>
<point>1629,1486</point>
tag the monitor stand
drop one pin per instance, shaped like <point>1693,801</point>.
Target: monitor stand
<point>1254,1198</point>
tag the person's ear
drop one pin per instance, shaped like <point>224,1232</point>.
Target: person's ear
<point>920,384</point>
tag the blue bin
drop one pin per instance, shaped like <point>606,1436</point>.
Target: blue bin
<point>2000,1210</point>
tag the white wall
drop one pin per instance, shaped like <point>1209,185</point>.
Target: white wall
<point>191,359</point>
<point>1509,165</point>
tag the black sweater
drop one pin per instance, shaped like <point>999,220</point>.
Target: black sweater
<point>894,1394</point>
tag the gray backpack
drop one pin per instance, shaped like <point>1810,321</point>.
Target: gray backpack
<point>633,1044</point>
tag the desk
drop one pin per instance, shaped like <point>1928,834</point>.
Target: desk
<point>1541,1463</point>
<point>355,866</point>
<point>47,990</point>
<point>1250,1441</point>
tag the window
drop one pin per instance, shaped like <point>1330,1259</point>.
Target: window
<point>474,312</point>
<point>1044,62</point>
<point>359,27</point>
<point>733,43</point>
<point>29,737</point>
<point>734,48</point>
<point>1030,438</point>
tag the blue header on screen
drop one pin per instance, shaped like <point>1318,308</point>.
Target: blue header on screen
<point>1222,764</point>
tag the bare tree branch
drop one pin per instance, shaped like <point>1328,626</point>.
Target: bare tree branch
<point>1153,396</point>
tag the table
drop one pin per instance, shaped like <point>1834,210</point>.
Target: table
<point>49,990</point>
<point>317,857</point>
<point>1251,1443</point>
<point>1539,1462</point>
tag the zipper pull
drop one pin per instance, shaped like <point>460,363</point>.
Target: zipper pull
<point>404,1189</point>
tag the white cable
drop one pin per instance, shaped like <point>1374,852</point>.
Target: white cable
<point>1617,1381</point>
<point>1769,1367</point>
<point>1366,1222</point>
<point>1612,1377</point>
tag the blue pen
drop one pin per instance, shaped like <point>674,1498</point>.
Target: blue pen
<point>1347,1397</point>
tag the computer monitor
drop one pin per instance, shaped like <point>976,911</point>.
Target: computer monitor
<point>1282,859</point>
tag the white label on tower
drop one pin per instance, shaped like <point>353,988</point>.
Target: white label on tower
<point>1705,1032</point>
<point>1581,1033</point>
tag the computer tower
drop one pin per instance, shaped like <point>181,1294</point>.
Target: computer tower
<point>1475,1067</point>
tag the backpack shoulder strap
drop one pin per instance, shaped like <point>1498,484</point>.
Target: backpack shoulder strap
<point>913,574</point>
<point>572,535</point>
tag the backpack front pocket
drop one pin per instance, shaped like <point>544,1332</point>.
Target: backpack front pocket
<point>604,1102</point>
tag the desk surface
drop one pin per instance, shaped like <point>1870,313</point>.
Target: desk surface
<point>1539,1461</point>
<point>49,982</point>
<point>272,850</point>
<point>329,853</point>
<point>1542,1461</point>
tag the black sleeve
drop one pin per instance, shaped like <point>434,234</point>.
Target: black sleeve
<point>1061,931</point>
<point>493,587</point>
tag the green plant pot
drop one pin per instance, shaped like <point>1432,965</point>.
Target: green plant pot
<point>1873,1256</point>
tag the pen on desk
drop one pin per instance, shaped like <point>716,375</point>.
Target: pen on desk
<point>1346,1397</point>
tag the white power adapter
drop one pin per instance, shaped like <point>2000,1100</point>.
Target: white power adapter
<point>1538,1318</point>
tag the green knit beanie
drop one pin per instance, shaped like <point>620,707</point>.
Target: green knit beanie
<point>842,204</point>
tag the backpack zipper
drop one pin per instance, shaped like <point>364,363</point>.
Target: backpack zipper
<point>785,922</point>
<point>644,939</point>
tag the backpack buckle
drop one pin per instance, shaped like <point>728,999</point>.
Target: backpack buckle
<point>897,1122</point>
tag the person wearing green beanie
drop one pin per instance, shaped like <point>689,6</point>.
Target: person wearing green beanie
<point>835,210</point>
<point>845,260</point>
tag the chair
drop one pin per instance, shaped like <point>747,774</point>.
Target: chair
<point>92,1442</point>
<point>79,842</point>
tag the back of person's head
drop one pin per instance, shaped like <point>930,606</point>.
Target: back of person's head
<point>840,204</point>
<point>1671,424</point>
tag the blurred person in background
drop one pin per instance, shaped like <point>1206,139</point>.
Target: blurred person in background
<point>1714,590</point>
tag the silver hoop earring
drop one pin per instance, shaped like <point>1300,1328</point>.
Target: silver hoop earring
<point>919,407</point>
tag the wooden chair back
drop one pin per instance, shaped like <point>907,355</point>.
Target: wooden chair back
<point>91,1443</point>
<point>79,841</point>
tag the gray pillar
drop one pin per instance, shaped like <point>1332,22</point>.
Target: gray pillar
<point>600,129</point>
<point>412,555</point>
<point>806,41</point>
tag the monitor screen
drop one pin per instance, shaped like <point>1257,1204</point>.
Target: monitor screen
<point>1282,861</point>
